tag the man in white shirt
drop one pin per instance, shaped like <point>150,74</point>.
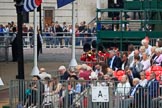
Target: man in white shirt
<point>43,74</point>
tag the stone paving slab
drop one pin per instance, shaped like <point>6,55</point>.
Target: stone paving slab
<point>51,59</point>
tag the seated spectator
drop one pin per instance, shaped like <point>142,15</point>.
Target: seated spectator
<point>136,95</point>
<point>114,62</point>
<point>145,62</point>
<point>124,61</point>
<point>158,59</point>
<point>63,73</point>
<point>137,67</point>
<point>43,74</point>
<point>153,55</point>
<point>131,58</point>
<point>152,89</point>
<point>143,80</point>
<point>142,50</point>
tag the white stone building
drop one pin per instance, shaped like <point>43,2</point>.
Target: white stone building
<point>85,10</point>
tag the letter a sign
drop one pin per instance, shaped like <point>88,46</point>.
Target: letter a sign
<point>100,94</point>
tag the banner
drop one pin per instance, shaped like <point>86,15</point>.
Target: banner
<point>30,5</point>
<point>61,3</point>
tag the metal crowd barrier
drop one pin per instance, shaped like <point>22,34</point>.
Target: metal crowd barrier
<point>81,94</point>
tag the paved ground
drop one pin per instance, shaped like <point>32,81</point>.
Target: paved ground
<point>51,59</point>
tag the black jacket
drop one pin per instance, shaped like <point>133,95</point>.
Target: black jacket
<point>116,63</point>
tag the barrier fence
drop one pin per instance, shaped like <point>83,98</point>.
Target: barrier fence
<point>83,94</point>
<point>49,40</point>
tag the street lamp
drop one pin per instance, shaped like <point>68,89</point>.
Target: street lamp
<point>1,82</point>
<point>73,61</point>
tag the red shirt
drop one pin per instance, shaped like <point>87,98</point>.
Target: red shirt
<point>85,75</point>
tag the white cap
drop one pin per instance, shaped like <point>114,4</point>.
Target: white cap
<point>93,75</point>
<point>61,68</point>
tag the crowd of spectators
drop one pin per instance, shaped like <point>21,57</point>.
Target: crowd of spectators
<point>55,33</point>
<point>134,76</point>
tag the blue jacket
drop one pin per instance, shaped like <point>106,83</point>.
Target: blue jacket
<point>153,86</point>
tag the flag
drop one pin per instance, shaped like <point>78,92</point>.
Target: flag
<point>61,3</point>
<point>30,5</point>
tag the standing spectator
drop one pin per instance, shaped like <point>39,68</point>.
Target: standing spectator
<point>97,69</point>
<point>143,80</point>
<point>53,40</point>
<point>36,88</point>
<point>59,34</point>
<point>47,92</point>
<point>152,87</point>
<point>84,73</point>
<point>142,50</point>
<point>145,42</point>
<point>1,30</point>
<point>123,87</point>
<point>48,35</point>
<point>129,75</point>
<point>39,43</point>
<point>31,33</point>
<point>56,89</point>
<point>43,74</point>
<point>145,62</point>
<point>77,35</point>
<point>87,35</point>
<point>81,31</point>
<point>65,30</point>
<point>63,73</point>
<point>14,45</point>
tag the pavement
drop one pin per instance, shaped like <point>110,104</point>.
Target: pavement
<point>50,59</point>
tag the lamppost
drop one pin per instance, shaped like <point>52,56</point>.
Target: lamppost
<point>1,82</point>
<point>20,57</point>
<point>73,61</point>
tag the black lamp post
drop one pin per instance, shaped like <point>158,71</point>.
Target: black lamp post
<point>20,57</point>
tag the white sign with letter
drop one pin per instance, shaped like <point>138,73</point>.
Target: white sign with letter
<point>100,94</point>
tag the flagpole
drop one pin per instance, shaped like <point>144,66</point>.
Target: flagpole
<point>35,70</point>
<point>73,61</point>
<point>99,7</point>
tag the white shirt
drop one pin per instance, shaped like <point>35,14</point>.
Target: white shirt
<point>112,60</point>
<point>143,82</point>
<point>148,50</point>
<point>44,75</point>
<point>131,54</point>
<point>123,89</point>
<point>146,64</point>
